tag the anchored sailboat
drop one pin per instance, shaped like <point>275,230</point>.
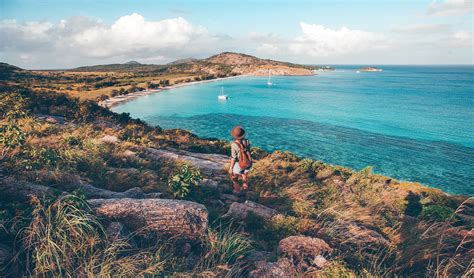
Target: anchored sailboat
<point>223,96</point>
<point>269,81</point>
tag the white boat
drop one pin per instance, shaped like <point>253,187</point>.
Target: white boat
<point>223,96</point>
<point>269,81</point>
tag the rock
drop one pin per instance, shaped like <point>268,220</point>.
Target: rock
<point>209,164</point>
<point>57,120</point>
<point>283,268</point>
<point>109,139</point>
<point>295,246</point>
<point>239,211</point>
<point>303,251</point>
<point>353,237</point>
<point>251,196</point>
<point>21,191</point>
<point>130,154</point>
<point>155,217</point>
<point>320,261</point>
<point>230,197</point>
<point>117,231</point>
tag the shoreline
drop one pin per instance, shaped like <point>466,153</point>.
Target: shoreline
<point>114,101</point>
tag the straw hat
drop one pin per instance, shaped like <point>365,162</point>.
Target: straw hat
<point>238,132</point>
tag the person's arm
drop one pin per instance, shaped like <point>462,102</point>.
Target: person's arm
<point>233,158</point>
<point>232,163</point>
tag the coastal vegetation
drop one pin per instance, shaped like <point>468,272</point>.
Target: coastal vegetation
<point>72,172</point>
<point>103,81</point>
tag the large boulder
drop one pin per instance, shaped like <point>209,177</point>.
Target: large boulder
<point>304,251</point>
<point>239,211</point>
<point>155,217</point>
<point>209,164</point>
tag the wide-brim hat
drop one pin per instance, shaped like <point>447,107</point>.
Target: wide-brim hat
<point>238,132</point>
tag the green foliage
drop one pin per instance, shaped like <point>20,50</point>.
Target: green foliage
<point>11,136</point>
<point>308,164</point>
<point>223,246</point>
<point>41,158</point>
<point>12,106</point>
<point>187,178</point>
<point>436,213</point>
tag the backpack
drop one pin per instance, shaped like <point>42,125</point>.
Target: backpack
<point>245,158</point>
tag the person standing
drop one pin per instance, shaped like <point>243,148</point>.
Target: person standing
<point>241,159</point>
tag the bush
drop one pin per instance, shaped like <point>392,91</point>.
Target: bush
<point>11,136</point>
<point>436,213</point>
<point>187,178</point>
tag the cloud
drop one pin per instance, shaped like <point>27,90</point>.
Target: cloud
<point>421,29</point>
<point>319,41</point>
<point>268,48</point>
<point>463,39</point>
<point>451,7</point>
<point>130,36</point>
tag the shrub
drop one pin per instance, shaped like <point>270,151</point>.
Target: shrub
<point>11,136</point>
<point>436,213</point>
<point>187,178</point>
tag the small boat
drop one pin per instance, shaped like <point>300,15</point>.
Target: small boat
<point>223,96</point>
<point>269,82</point>
<point>358,71</point>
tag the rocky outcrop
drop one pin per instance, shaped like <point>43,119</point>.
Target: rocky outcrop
<point>155,217</point>
<point>305,252</point>
<point>239,211</point>
<point>283,268</point>
<point>208,163</point>
<point>22,191</point>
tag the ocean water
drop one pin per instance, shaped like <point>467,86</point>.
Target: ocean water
<point>413,123</point>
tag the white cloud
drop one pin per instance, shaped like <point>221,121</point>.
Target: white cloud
<point>268,48</point>
<point>463,39</point>
<point>451,7</point>
<point>130,37</point>
<point>319,41</point>
<point>421,29</point>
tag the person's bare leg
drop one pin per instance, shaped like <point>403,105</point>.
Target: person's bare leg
<point>235,182</point>
<point>245,185</point>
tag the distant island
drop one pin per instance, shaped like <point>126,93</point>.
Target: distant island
<point>370,69</point>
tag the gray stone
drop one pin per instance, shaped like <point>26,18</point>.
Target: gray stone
<point>150,217</point>
<point>239,211</point>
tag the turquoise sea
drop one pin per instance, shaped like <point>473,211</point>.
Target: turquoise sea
<point>414,123</point>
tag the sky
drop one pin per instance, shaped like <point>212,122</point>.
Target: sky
<point>49,34</point>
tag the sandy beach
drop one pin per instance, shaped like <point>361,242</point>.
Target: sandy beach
<point>113,101</point>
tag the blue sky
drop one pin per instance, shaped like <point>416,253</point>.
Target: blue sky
<point>50,34</point>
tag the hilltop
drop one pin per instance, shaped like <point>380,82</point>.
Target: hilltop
<point>223,63</point>
<point>100,82</point>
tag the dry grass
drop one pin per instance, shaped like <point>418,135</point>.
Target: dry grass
<point>65,239</point>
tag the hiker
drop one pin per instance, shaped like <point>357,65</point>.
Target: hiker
<point>241,160</point>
